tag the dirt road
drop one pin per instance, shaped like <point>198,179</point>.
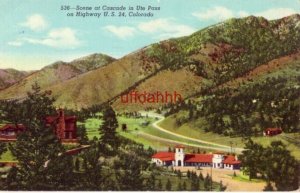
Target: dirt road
<point>213,145</point>
<point>224,176</point>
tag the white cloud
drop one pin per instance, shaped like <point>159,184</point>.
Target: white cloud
<point>35,22</point>
<point>16,43</point>
<point>276,13</point>
<point>167,28</point>
<point>242,14</point>
<point>216,13</point>
<point>58,38</point>
<point>122,32</point>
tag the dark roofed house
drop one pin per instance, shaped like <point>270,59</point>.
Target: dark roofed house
<point>272,131</point>
<point>10,131</point>
<point>64,126</point>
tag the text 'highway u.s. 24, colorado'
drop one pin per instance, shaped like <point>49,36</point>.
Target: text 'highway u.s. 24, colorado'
<point>102,11</point>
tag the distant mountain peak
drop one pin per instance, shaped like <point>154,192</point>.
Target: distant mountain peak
<point>10,76</point>
<point>85,63</point>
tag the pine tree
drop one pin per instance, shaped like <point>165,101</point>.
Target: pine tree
<point>201,176</point>
<point>168,185</point>
<point>77,164</point>
<point>207,183</point>
<point>191,113</point>
<point>2,148</point>
<point>83,138</point>
<point>42,164</point>
<point>179,187</point>
<point>188,174</point>
<point>150,183</point>
<point>11,182</point>
<point>108,129</point>
<point>128,172</point>
<point>179,174</point>
<point>252,158</point>
<point>159,185</point>
<point>284,170</point>
<point>268,187</point>
<point>184,186</point>
<point>195,184</point>
<point>222,187</point>
<point>94,177</point>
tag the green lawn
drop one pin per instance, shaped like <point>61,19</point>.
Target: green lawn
<point>7,156</point>
<point>92,126</point>
<point>245,178</point>
<point>134,128</point>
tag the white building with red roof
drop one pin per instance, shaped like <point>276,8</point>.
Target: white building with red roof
<point>180,158</point>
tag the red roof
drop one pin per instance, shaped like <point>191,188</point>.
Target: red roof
<point>179,146</point>
<point>70,118</point>
<point>273,129</point>
<point>230,159</point>
<point>195,158</point>
<point>164,156</point>
<point>198,158</point>
<point>51,119</point>
<point>12,126</point>
<point>219,153</point>
<point>76,150</point>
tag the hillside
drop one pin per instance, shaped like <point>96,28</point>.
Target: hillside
<point>102,84</point>
<point>55,73</point>
<point>192,65</point>
<point>10,76</point>
<point>186,84</point>
<point>225,54</point>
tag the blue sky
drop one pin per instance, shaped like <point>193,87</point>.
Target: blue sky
<point>35,33</point>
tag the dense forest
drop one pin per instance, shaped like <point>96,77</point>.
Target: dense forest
<point>235,47</point>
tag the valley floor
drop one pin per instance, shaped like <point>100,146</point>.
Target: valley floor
<point>226,176</point>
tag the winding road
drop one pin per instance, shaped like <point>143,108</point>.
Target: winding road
<point>211,145</point>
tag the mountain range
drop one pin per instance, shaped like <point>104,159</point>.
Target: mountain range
<point>223,55</point>
<point>10,76</point>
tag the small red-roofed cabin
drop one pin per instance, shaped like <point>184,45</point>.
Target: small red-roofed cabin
<point>231,162</point>
<point>272,131</point>
<point>10,131</point>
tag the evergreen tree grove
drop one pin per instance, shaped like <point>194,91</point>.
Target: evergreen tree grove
<point>42,164</point>
<point>108,128</point>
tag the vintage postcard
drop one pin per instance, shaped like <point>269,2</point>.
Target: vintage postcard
<point>150,95</point>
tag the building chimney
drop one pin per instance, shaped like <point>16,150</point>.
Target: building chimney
<point>61,123</point>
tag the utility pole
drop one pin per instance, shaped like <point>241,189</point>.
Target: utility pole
<point>231,147</point>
